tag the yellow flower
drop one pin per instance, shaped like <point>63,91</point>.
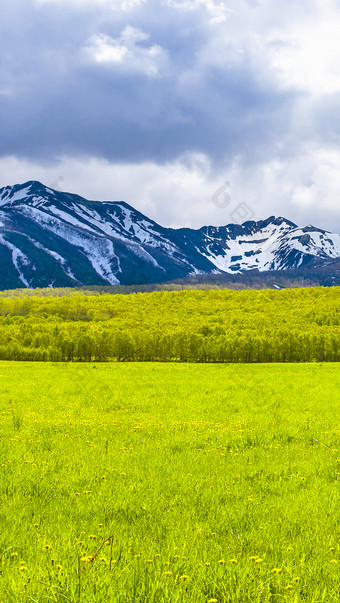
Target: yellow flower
<point>212,600</point>
<point>233,560</point>
<point>296,579</point>
<point>334,561</point>
<point>258,560</point>
<point>221,561</point>
<point>22,568</point>
<point>276,570</point>
<point>14,554</point>
<point>289,586</point>
<point>184,577</point>
<point>168,573</point>
<point>47,547</point>
<point>207,563</point>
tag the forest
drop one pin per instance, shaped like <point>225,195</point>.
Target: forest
<point>290,325</point>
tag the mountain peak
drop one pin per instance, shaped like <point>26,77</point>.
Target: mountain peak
<point>54,238</point>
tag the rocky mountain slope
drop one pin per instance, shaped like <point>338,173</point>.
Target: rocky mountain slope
<point>56,239</point>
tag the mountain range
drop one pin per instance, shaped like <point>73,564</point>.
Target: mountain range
<point>50,238</point>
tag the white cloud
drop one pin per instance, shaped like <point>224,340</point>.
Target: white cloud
<point>127,52</point>
<point>304,189</point>
<point>308,57</point>
<point>218,11</point>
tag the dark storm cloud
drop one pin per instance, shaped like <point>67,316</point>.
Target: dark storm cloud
<point>57,101</point>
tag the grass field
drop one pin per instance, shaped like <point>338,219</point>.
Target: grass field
<point>169,483</point>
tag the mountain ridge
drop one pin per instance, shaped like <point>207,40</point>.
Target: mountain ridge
<point>50,238</point>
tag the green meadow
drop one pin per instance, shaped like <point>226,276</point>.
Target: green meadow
<point>167,482</point>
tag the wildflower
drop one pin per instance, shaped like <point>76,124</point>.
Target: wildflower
<point>233,560</point>
<point>136,556</point>
<point>289,548</point>
<point>221,561</point>
<point>92,536</point>
<point>334,561</point>
<point>22,568</point>
<point>47,547</point>
<point>253,557</point>
<point>102,559</point>
<point>59,567</point>
<point>177,556</point>
<point>212,600</point>
<point>184,577</point>
<point>258,560</point>
<point>276,570</point>
<point>296,579</point>
<point>167,573</point>
<point>207,563</point>
<point>288,587</point>
<point>14,554</point>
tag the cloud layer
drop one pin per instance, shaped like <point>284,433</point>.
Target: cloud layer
<point>161,102</point>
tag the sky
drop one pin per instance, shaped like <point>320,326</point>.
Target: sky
<point>193,111</point>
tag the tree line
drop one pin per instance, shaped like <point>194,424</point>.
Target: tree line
<point>291,325</point>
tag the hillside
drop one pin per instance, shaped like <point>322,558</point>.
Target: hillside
<point>54,239</point>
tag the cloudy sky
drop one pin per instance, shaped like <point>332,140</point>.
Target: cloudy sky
<point>193,111</point>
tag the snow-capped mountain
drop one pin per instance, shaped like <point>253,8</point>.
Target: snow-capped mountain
<point>52,238</point>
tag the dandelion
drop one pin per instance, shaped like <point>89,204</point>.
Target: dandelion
<point>288,587</point>
<point>233,560</point>
<point>92,536</point>
<point>221,561</point>
<point>207,564</point>
<point>334,561</point>
<point>253,557</point>
<point>212,600</point>
<point>22,568</point>
<point>296,579</point>
<point>184,577</point>
<point>276,570</point>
